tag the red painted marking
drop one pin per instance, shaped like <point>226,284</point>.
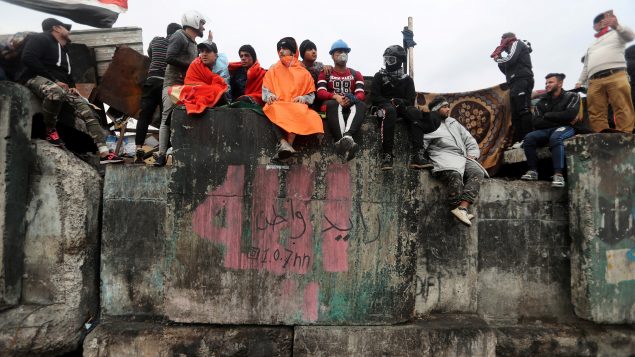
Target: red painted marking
<point>336,224</point>
<point>310,308</point>
<point>219,217</point>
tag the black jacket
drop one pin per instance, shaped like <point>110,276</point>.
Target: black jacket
<point>43,56</point>
<point>552,112</point>
<point>517,64</point>
<point>383,89</point>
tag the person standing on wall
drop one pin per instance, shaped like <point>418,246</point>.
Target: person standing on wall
<point>517,68</point>
<point>604,73</point>
<point>152,87</point>
<point>181,52</point>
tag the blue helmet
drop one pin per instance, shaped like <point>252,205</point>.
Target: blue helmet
<point>339,45</point>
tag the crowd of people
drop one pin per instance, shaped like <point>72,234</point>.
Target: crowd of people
<point>293,91</point>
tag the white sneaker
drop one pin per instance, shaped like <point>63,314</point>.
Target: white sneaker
<point>461,215</point>
<point>517,145</point>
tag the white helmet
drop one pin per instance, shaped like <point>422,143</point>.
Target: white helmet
<point>195,20</point>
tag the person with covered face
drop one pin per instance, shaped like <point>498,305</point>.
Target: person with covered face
<point>288,90</point>
<point>517,68</point>
<point>48,74</point>
<point>203,87</point>
<point>246,77</point>
<point>181,52</point>
<point>392,92</point>
<point>454,153</point>
<point>342,93</point>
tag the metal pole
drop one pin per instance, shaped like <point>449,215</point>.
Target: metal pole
<point>411,53</point>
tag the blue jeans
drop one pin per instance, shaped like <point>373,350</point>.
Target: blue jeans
<point>552,136</point>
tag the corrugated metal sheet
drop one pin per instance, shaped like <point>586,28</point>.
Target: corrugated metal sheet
<point>105,41</point>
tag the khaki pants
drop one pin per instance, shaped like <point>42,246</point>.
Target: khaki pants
<point>614,90</point>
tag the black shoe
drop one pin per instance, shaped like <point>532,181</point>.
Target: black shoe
<point>348,147</point>
<point>140,156</point>
<point>162,159</point>
<point>419,161</point>
<point>111,158</point>
<point>386,161</point>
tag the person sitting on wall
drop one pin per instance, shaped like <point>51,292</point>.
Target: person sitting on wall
<point>48,74</point>
<point>555,115</point>
<point>342,93</point>
<point>202,87</point>
<point>308,52</point>
<point>392,92</point>
<point>288,89</point>
<point>246,77</point>
<point>454,153</point>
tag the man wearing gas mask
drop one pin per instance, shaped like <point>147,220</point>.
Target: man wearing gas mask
<point>342,93</point>
<point>393,91</point>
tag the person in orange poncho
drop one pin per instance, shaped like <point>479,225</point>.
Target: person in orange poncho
<point>202,88</point>
<point>246,77</point>
<point>288,89</point>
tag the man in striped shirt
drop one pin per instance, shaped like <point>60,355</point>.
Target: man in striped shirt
<point>343,94</point>
<point>152,87</point>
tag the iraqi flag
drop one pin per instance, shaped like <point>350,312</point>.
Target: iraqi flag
<point>96,13</point>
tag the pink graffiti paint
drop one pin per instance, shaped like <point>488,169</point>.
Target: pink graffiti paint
<point>219,217</point>
<point>336,223</point>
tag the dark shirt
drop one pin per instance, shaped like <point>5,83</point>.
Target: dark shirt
<point>157,50</point>
<point>553,112</point>
<point>44,56</point>
<point>238,82</point>
<point>385,88</point>
<point>517,64</point>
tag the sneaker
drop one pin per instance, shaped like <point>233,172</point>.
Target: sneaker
<point>161,160</point>
<point>54,138</point>
<point>386,161</point>
<point>349,147</point>
<point>284,150</point>
<point>530,175</point>
<point>470,216</point>
<point>111,158</point>
<point>419,161</point>
<point>517,145</point>
<point>140,156</point>
<point>558,181</point>
<point>461,214</point>
<point>339,147</point>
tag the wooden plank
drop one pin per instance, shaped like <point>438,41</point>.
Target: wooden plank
<point>110,37</point>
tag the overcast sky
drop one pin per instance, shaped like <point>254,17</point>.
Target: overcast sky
<point>454,37</point>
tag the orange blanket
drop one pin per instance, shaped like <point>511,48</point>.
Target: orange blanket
<point>202,88</point>
<point>288,79</point>
<point>255,75</point>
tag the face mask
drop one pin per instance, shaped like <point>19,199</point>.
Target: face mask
<point>343,57</point>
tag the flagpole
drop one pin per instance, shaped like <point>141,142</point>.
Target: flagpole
<point>411,54</point>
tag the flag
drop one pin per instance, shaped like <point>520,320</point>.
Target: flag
<point>96,13</point>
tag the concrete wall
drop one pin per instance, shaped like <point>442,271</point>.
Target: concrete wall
<point>602,206</point>
<point>353,232</point>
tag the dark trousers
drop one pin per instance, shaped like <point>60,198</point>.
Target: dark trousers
<point>411,116</point>
<point>462,188</point>
<point>555,137</point>
<point>150,99</point>
<point>520,104</point>
<point>338,123</point>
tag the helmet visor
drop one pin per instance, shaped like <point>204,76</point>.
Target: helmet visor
<point>390,60</point>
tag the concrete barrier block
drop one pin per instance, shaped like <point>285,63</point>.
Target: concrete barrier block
<point>117,338</point>
<point>523,252</point>
<point>601,171</point>
<point>15,158</point>
<point>59,291</point>
<point>438,335</point>
<point>248,243</point>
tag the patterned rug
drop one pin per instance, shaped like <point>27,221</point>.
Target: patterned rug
<point>486,114</point>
